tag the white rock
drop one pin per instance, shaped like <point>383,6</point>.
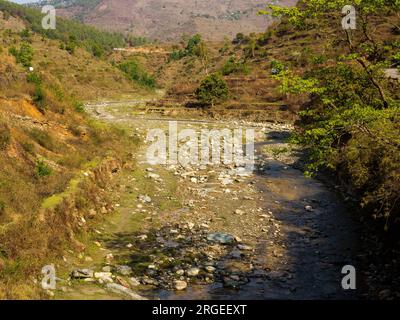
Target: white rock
<point>192,272</point>
<point>180,285</point>
<point>117,288</point>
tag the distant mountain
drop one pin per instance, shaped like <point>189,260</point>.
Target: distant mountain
<point>168,20</point>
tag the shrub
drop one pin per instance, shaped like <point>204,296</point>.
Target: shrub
<point>136,73</point>
<point>42,169</point>
<point>34,78</point>
<point>23,55</point>
<point>212,89</point>
<point>233,66</point>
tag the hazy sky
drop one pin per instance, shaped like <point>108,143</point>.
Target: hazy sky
<point>24,1</point>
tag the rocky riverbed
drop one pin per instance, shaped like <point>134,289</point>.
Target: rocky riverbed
<point>215,231</point>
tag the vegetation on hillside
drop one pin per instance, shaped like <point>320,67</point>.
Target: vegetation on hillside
<point>350,123</point>
<point>212,89</point>
<point>71,33</point>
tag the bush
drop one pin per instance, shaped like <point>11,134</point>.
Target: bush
<point>192,49</point>
<point>212,89</point>
<point>34,78</point>
<point>233,66</point>
<point>136,73</point>
<point>23,55</point>
<point>42,169</point>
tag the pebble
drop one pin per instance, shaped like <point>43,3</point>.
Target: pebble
<point>309,208</point>
<point>180,285</point>
<point>192,272</point>
<point>124,270</point>
<point>82,273</point>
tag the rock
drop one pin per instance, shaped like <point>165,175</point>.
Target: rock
<point>153,176</point>
<point>144,198</point>
<point>226,181</point>
<point>192,272</point>
<point>220,237</point>
<point>239,212</point>
<point>106,269</point>
<point>210,269</point>
<point>82,273</point>
<point>244,247</point>
<point>385,294</point>
<point>180,272</point>
<point>117,288</point>
<point>109,257</point>
<point>124,270</point>
<point>122,281</point>
<point>92,213</point>
<point>309,208</point>
<point>193,180</point>
<point>134,282</point>
<point>190,225</point>
<point>180,285</point>
<point>104,277</point>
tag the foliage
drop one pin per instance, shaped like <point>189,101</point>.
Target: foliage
<point>212,89</point>
<point>194,47</point>
<point>136,73</point>
<point>23,55</point>
<point>87,37</point>
<point>351,123</point>
<point>34,78</point>
<point>42,169</point>
<point>232,66</point>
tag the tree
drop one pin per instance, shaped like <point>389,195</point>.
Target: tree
<point>212,89</point>
<point>350,123</point>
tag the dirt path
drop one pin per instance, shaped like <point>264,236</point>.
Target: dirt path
<point>211,233</point>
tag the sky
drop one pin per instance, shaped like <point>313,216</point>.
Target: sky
<point>24,1</point>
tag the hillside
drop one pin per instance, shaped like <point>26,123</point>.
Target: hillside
<point>168,20</point>
<point>50,149</point>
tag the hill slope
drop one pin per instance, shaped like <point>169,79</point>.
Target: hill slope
<point>167,20</point>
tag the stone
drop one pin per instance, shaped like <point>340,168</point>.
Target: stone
<point>134,282</point>
<point>119,289</point>
<point>124,270</point>
<point>180,272</point>
<point>180,285</point>
<point>104,277</point>
<point>193,180</point>
<point>210,269</point>
<point>82,273</point>
<point>192,272</point>
<point>153,176</point>
<point>239,211</point>
<point>309,208</point>
<point>244,247</point>
<point>384,294</point>
<point>226,181</point>
<point>92,213</point>
<point>106,269</point>
<point>223,238</point>
<point>109,257</point>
